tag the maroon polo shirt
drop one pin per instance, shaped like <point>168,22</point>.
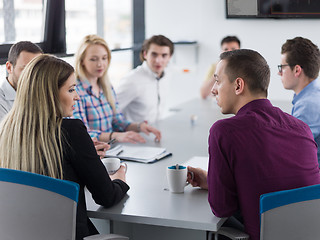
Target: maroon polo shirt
<point>260,150</point>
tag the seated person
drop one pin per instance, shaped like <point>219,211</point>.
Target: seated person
<point>20,54</point>
<point>299,71</point>
<point>249,153</point>
<point>97,107</point>
<point>36,136</point>
<point>142,92</point>
<point>229,43</point>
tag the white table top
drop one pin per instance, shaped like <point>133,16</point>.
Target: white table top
<point>148,201</point>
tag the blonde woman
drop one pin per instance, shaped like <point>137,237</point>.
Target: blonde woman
<point>97,107</point>
<point>36,137</point>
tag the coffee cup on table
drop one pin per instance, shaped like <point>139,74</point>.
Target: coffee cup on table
<point>112,164</point>
<point>177,178</point>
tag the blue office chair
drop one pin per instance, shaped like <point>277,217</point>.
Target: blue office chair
<point>290,214</point>
<point>34,206</point>
<point>285,215</point>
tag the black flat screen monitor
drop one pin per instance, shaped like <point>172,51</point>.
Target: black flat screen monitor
<point>273,8</point>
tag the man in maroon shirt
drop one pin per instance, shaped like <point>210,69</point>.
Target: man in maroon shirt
<point>259,150</point>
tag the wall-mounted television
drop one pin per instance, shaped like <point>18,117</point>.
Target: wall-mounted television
<point>273,8</point>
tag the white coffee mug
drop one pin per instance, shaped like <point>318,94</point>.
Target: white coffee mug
<point>112,164</point>
<point>177,178</point>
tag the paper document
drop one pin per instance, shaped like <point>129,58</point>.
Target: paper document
<point>198,161</point>
<point>143,154</point>
<point>114,151</point>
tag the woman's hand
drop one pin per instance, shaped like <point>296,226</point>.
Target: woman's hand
<point>101,147</point>
<point>129,136</point>
<point>121,173</point>
<point>147,129</point>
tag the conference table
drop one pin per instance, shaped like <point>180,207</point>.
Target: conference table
<point>150,210</point>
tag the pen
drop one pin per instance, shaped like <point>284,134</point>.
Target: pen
<point>111,141</point>
<point>119,153</point>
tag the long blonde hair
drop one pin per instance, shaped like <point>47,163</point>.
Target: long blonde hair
<point>30,134</point>
<point>104,81</point>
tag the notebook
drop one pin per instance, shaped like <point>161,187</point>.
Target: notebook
<point>136,153</point>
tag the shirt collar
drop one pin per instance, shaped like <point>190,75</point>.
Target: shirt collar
<point>255,104</point>
<point>146,67</point>
<point>86,85</point>
<point>307,89</point>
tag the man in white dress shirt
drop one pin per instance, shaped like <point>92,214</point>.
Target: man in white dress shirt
<point>20,54</point>
<point>141,93</point>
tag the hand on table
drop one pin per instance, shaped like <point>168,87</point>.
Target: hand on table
<point>147,129</point>
<point>129,136</point>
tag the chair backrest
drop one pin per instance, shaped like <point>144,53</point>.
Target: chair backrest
<point>34,206</point>
<point>290,214</point>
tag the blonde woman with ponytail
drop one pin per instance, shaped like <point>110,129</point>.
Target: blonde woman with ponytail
<point>98,108</point>
<point>36,136</point>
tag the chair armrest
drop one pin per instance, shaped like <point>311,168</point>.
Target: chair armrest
<point>106,237</point>
<point>231,233</point>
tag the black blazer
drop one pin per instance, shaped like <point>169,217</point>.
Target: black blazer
<point>82,165</point>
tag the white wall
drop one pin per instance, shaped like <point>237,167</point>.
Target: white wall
<point>205,21</point>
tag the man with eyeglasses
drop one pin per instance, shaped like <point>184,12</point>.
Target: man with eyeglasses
<point>299,70</point>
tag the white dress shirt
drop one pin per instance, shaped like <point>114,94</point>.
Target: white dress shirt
<point>7,96</point>
<point>141,95</point>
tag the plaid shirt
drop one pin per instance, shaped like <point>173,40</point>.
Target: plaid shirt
<point>96,112</point>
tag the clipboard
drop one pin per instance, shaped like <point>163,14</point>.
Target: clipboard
<point>142,154</point>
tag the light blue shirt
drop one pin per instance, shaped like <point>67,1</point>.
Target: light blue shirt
<point>306,107</point>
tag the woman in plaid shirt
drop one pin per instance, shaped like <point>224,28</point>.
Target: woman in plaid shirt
<point>98,108</point>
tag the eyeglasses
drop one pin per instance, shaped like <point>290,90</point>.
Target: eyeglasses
<point>283,65</point>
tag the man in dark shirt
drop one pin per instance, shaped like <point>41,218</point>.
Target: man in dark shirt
<point>259,150</point>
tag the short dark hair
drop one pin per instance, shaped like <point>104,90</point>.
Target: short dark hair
<point>19,47</point>
<point>158,40</point>
<point>301,51</point>
<point>250,66</point>
<point>229,39</point>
